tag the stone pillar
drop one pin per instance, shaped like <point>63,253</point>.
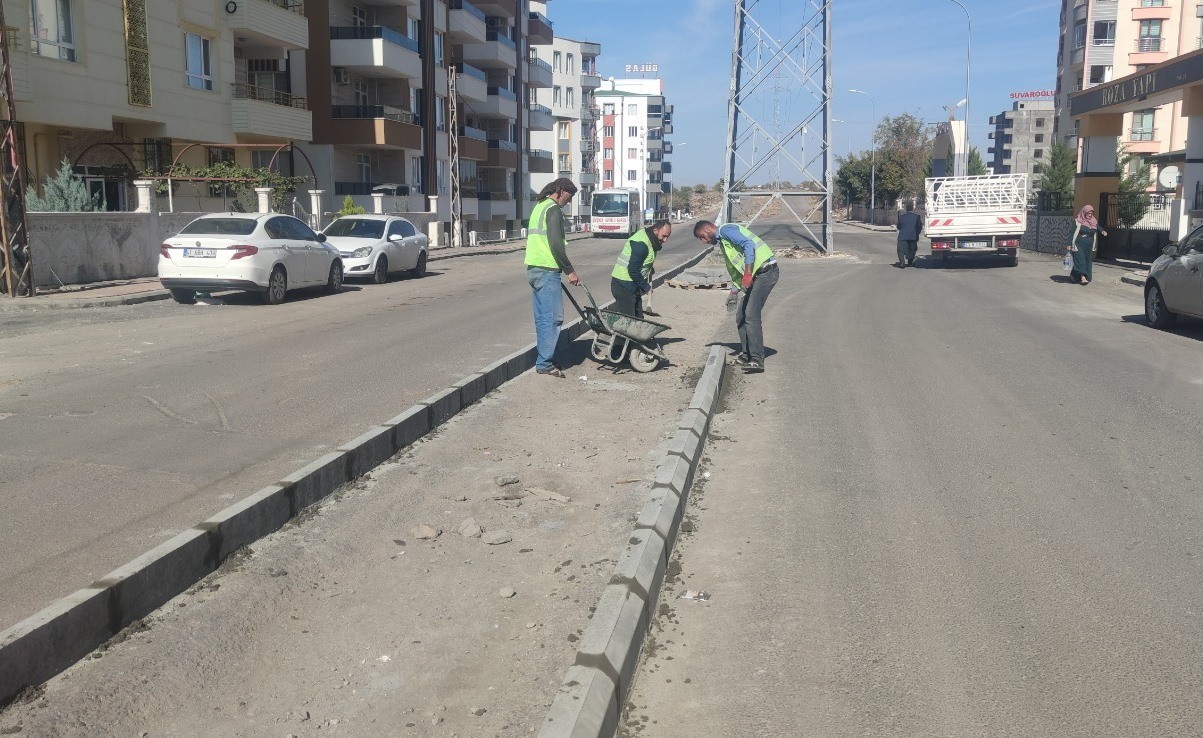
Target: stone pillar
<point>315,207</point>
<point>265,199</point>
<point>146,195</point>
<point>1192,173</point>
<point>434,229</point>
<point>378,203</point>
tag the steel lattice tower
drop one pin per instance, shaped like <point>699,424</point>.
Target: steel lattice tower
<point>793,143</point>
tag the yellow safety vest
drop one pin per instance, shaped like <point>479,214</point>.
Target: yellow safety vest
<point>622,268</point>
<point>735,254</point>
<point>538,250</point>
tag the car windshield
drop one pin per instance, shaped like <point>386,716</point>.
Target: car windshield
<point>610,204</point>
<point>356,228</point>
<point>221,227</point>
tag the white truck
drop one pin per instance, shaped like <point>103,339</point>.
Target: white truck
<point>984,214</point>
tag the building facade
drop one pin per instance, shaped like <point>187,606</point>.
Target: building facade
<point>1021,139</point>
<point>635,120</point>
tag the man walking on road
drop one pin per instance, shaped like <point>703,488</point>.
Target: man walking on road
<point>631,278</point>
<point>752,267</point>
<point>910,225</point>
<point>546,259</point>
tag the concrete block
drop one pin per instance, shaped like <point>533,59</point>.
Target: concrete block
<point>53,639</point>
<point>615,634</point>
<point>369,450</point>
<point>586,706</point>
<point>248,520</point>
<point>695,421</point>
<point>641,565</point>
<point>522,360</point>
<point>662,514</point>
<point>443,406</point>
<point>705,394</point>
<point>496,374</point>
<point>315,481</point>
<point>410,426</point>
<point>686,445</point>
<point>674,473</point>
<point>144,584</point>
<point>471,389</point>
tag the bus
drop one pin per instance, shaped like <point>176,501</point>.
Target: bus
<point>616,212</point>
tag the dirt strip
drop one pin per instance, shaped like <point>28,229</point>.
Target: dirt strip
<point>349,620</point>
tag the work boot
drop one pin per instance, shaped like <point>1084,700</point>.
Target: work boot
<point>741,359</point>
<point>753,367</point>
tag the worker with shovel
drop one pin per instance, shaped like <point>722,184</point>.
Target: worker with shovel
<point>631,278</point>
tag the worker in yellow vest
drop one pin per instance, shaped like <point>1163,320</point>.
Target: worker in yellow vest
<point>546,260</point>
<point>632,275</point>
<point>753,271</point>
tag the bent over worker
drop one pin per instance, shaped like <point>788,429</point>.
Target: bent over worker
<point>753,271</point>
<point>546,259</point>
<point>632,275</point>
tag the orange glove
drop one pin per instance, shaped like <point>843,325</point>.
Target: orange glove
<point>747,281</point>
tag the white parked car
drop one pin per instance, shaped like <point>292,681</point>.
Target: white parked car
<point>377,246</point>
<point>267,253</point>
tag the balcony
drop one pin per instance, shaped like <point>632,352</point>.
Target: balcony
<point>497,52</point>
<point>503,8</point>
<point>502,154</point>
<point>1148,44</point>
<point>375,51</point>
<point>540,161</point>
<point>367,188</point>
<point>589,113</point>
<point>473,143</point>
<point>1142,134</point>
<point>380,126</point>
<point>271,23</point>
<point>497,205</point>
<point>260,113</point>
<point>499,103</point>
<point>589,48</point>
<point>466,23</point>
<point>655,144</point>
<point>539,29</point>
<point>654,166</point>
<point>471,83</point>
<point>587,179</point>
<point>539,117</point>
<point>667,167</point>
<point>538,73</point>
<point>588,146</point>
<point>590,81</point>
<point>668,147</point>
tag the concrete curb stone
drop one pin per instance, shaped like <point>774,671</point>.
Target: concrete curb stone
<point>410,426</point>
<point>443,406</point>
<point>662,514</point>
<point>315,481</point>
<point>369,450</point>
<point>243,522</point>
<point>472,389</point>
<point>587,698</point>
<point>612,641</point>
<point>640,566</point>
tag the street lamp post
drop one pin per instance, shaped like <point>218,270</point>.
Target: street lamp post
<point>968,65</point>
<point>872,156</point>
<point>672,197</point>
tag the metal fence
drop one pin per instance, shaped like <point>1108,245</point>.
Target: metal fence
<point>1137,225</point>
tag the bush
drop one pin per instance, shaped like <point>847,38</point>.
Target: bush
<point>350,208</point>
<point>64,192</point>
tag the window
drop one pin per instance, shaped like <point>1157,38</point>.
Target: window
<point>608,109</point>
<point>1150,36</point>
<point>1142,125</point>
<point>415,171</point>
<point>563,131</point>
<point>608,131</point>
<point>53,33</point>
<point>570,67</point>
<point>1079,35</point>
<point>1100,73</point>
<point>198,62</point>
<point>632,109</point>
<point>608,154</point>
<point>555,96</point>
<point>633,131</point>
<point>1152,3</point>
<point>557,61</point>
<point>361,93</point>
<point>440,113</point>
<point>359,17</point>
<point>632,153</point>
<point>570,97</point>
<point>1039,138</point>
<point>438,48</point>
<point>632,175</point>
<point>1040,122</point>
<point>413,28</point>
<point>565,163</point>
<point>442,175</point>
<point>1038,154</point>
<point>1104,33</point>
<point>363,162</point>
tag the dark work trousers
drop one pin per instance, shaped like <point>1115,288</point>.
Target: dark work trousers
<point>747,316</point>
<point>907,251</point>
<point>626,299</point>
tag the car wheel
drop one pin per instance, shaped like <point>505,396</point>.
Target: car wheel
<point>380,275</point>
<point>334,282</point>
<point>1014,260</point>
<point>641,361</point>
<point>277,287</point>
<point>184,297</point>
<point>1155,310</point>
<point>420,269</point>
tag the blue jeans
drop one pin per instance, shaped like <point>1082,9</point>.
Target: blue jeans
<point>549,313</point>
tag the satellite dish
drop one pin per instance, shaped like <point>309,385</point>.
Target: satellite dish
<point>1169,177</point>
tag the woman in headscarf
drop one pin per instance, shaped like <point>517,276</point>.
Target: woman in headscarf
<point>1083,245</point>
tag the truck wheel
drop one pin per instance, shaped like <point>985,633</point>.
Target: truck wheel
<point>946,260</point>
<point>1014,260</point>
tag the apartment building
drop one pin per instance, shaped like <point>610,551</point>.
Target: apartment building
<point>1021,139</point>
<point>120,87</point>
<point>635,119</point>
<point>1086,55</point>
<point>570,141</point>
<point>377,76</point>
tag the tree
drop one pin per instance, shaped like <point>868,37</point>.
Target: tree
<point>975,164</point>
<point>1133,197</point>
<point>350,208</point>
<point>903,150</point>
<point>699,189</point>
<point>64,192</point>
<point>1057,179</point>
<point>718,186</point>
<point>852,177</point>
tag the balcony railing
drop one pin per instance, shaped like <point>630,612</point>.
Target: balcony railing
<point>244,91</point>
<point>468,7</point>
<point>472,71</point>
<point>473,133</point>
<point>1142,134</point>
<point>1149,43</point>
<point>503,92</point>
<point>366,188</point>
<point>393,36</point>
<point>540,64</point>
<point>493,195</point>
<point>1105,41</point>
<point>502,145</point>
<point>387,112</point>
<point>292,6</point>
<point>540,17</point>
<point>540,154</point>
<point>501,37</point>
<point>537,108</point>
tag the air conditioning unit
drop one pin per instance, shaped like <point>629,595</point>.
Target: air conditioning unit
<point>496,24</point>
<point>341,77</point>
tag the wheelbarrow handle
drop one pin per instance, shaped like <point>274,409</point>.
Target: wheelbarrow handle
<point>574,302</point>
<point>572,299</point>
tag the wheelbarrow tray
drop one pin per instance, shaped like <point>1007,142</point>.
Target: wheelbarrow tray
<point>636,329</point>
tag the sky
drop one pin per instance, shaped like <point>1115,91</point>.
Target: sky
<point>909,55</point>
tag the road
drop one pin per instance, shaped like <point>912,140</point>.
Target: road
<point>120,427</point>
<point>959,502</point>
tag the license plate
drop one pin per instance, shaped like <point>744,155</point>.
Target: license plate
<point>200,253</point>
<point>975,244</point>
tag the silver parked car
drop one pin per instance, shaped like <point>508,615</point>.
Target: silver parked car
<point>1175,283</point>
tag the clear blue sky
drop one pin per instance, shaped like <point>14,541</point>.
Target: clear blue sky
<point>909,54</point>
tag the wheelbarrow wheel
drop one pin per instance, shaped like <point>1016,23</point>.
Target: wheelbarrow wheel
<point>642,361</point>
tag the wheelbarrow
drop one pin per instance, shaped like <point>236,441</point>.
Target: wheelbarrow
<point>618,338</point>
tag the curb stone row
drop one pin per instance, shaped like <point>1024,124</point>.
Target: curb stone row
<point>49,641</point>
<point>590,699</point>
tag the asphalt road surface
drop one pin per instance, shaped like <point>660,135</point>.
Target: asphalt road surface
<point>120,427</point>
<point>960,501</point>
